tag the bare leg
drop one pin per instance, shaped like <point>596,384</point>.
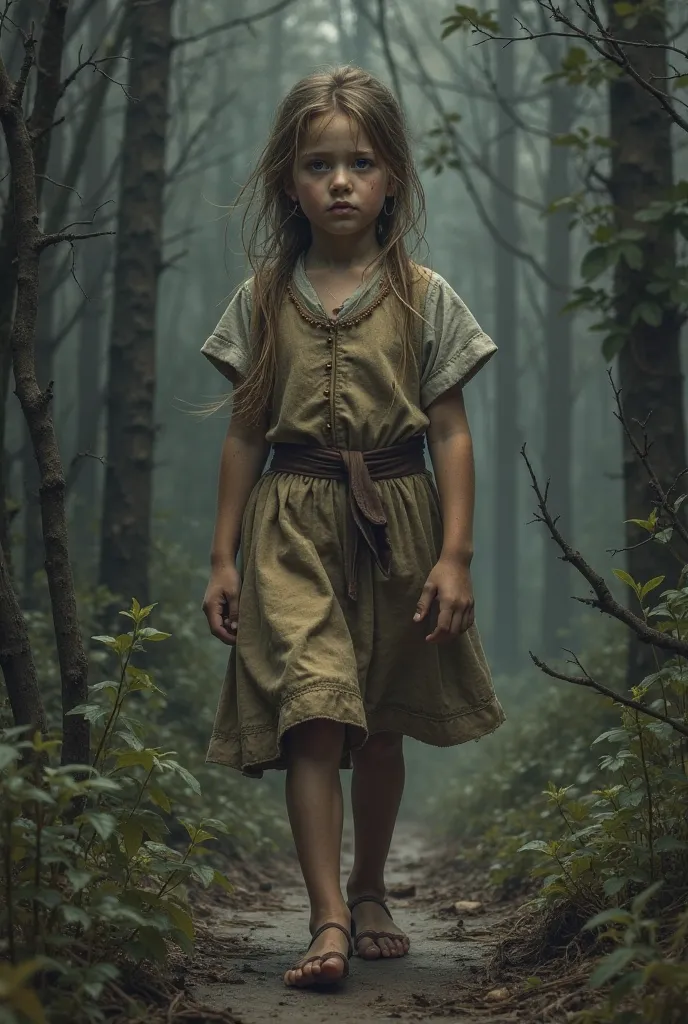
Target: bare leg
<point>376,790</point>
<point>315,808</point>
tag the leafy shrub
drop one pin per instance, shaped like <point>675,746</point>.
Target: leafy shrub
<point>88,878</point>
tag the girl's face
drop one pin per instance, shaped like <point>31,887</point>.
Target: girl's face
<point>338,180</point>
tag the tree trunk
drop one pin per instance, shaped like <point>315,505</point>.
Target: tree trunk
<point>44,348</point>
<point>89,353</point>
<point>16,659</point>
<point>361,34</point>
<point>36,405</point>
<point>649,361</point>
<point>126,525</point>
<point>507,438</point>
<point>558,455</point>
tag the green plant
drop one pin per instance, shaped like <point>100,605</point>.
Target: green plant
<point>88,879</point>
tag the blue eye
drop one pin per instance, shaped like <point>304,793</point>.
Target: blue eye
<point>321,164</point>
<point>363,160</point>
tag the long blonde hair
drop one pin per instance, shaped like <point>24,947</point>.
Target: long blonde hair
<point>278,235</point>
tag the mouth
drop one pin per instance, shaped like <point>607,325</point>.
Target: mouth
<point>341,206</point>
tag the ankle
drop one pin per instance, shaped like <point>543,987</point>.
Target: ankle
<point>365,887</point>
<point>329,911</point>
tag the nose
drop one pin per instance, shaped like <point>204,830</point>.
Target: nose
<point>340,179</point>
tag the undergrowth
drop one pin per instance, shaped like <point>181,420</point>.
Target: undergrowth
<point>92,882</point>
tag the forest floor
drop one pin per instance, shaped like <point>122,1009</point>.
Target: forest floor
<point>246,941</point>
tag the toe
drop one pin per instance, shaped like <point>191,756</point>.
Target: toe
<point>369,950</point>
<point>385,947</point>
<point>399,947</point>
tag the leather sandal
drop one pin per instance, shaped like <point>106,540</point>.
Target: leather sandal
<point>370,934</point>
<point>318,979</point>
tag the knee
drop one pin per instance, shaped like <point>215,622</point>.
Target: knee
<point>380,747</point>
<point>317,740</point>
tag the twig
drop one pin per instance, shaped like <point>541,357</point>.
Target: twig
<point>604,601</point>
<point>246,20</point>
<point>592,684</point>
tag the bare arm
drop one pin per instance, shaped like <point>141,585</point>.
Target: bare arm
<point>449,582</point>
<point>451,451</point>
<point>244,452</point>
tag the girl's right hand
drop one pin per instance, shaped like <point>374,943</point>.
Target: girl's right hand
<point>221,604</point>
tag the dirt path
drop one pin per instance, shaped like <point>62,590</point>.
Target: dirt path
<point>243,953</point>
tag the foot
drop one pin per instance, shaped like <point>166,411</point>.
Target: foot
<point>369,916</point>
<point>323,971</point>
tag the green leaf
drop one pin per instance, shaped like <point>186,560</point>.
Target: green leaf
<point>596,260</point>
<point>613,916</point>
<point>76,915</point>
<point>669,844</point>
<point>611,966</point>
<point>186,775</point>
<point>109,641</point>
<point>179,917</point>
<point>78,879</point>
<point>625,577</point>
<point>132,834</point>
<point>104,824</point>
<point>535,844</point>
<point>204,874</point>
<point>223,881</point>
<point>160,798</point>
<point>612,886</point>
<point>625,10</point>
<point>8,755</point>
<point>651,584</point>
<point>153,634</point>
<point>612,345</point>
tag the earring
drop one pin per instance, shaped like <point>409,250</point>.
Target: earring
<point>387,212</point>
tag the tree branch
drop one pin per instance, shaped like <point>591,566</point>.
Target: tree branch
<point>604,601</point>
<point>246,20</point>
<point>592,684</point>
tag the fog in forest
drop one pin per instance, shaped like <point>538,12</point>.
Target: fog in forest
<point>534,161</point>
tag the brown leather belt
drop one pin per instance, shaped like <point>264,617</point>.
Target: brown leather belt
<point>366,517</point>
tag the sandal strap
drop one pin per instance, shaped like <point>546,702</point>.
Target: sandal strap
<point>323,928</point>
<point>378,935</point>
<point>369,899</point>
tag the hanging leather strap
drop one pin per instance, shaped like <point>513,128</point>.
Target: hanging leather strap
<point>366,518</point>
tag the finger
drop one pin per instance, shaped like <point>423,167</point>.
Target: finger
<point>427,596</point>
<point>467,618</point>
<point>458,622</point>
<point>441,630</point>
<point>216,614</point>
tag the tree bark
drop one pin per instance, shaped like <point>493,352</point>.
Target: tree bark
<point>558,455</point>
<point>16,658</point>
<point>507,439</point>
<point>55,218</point>
<point>36,405</point>
<point>90,346</point>
<point>649,361</point>
<point>126,524</point>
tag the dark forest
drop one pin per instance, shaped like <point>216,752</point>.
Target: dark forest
<point>545,868</point>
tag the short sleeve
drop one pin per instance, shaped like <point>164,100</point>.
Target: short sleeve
<point>228,347</point>
<point>454,344</point>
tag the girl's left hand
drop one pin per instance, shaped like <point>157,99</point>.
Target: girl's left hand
<point>450,584</point>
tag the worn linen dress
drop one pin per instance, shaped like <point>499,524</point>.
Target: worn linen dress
<point>304,649</point>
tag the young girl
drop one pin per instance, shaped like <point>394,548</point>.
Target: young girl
<point>352,620</point>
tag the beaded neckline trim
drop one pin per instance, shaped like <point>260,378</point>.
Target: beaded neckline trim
<point>349,321</point>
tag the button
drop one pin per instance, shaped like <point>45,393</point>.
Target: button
<point>326,392</point>
<point>329,426</point>
<point>328,367</point>
<point>329,339</point>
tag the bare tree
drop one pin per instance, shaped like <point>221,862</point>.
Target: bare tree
<point>126,522</point>
<point>23,140</point>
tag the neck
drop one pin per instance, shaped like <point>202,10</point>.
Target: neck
<point>340,254</point>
